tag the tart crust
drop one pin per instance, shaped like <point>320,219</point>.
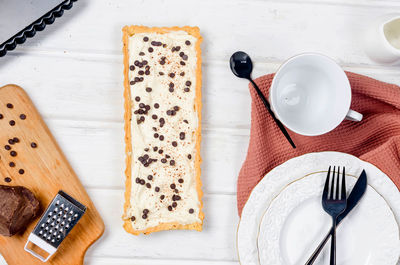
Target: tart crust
<point>128,31</point>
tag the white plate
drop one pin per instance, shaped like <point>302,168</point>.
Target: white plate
<point>278,178</point>
<point>295,223</point>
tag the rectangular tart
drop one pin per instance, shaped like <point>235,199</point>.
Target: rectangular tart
<point>162,71</point>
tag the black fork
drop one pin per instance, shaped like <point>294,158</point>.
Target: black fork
<point>334,204</point>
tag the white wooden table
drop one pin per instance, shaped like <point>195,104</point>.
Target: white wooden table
<point>73,73</point>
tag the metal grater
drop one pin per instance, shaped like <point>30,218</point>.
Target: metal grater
<point>60,217</point>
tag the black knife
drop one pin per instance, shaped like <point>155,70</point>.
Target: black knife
<point>354,197</point>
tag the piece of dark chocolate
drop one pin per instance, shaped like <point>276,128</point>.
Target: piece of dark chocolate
<point>18,206</point>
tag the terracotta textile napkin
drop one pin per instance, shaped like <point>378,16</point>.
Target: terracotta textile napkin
<point>375,139</point>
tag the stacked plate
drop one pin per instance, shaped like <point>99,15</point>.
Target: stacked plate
<point>283,221</point>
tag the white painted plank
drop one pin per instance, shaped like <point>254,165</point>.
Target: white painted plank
<point>134,261</point>
<point>70,87</point>
<point>266,29</point>
<point>96,152</point>
<point>216,242</point>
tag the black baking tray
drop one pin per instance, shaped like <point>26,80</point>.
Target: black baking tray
<point>38,25</point>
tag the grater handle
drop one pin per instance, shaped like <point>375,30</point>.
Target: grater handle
<point>42,244</point>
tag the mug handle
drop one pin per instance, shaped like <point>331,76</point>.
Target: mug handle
<point>353,115</point>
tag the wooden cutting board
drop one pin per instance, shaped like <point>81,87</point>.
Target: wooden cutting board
<point>46,171</point>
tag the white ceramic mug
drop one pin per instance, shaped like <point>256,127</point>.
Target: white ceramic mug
<point>382,39</point>
<point>311,94</point>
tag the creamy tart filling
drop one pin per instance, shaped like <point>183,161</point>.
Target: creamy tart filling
<point>162,75</point>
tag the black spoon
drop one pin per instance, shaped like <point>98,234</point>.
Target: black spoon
<point>242,67</point>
